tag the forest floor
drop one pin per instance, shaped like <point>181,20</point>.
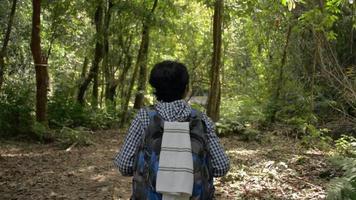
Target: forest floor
<point>273,169</point>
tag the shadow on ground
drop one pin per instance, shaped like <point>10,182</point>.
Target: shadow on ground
<point>275,170</point>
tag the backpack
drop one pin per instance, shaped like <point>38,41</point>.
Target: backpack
<point>147,158</point>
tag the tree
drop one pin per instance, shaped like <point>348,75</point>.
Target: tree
<point>98,55</point>
<point>142,58</point>
<point>109,75</point>
<point>213,109</point>
<point>6,41</point>
<point>41,64</point>
<point>280,80</point>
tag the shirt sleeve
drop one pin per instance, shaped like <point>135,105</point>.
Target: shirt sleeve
<point>125,158</point>
<point>220,161</point>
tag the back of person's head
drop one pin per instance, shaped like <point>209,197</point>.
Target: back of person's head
<point>170,80</point>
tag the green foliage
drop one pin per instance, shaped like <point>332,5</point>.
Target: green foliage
<point>346,145</point>
<point>256,84</point>
<point>16,113</point>
<point>315,138</point>
<point>241,109</point>
<point>227,127</point>
<point>68,136</point>
<point>68,113</point>
<point>40,131</point>
<point>344,187</point>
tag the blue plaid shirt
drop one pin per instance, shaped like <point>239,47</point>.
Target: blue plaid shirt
<point>174,111</point>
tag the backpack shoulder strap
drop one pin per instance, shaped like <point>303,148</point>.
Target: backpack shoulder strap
<point>154,117</point>
<point>196,114</point>
<point>151,112</point>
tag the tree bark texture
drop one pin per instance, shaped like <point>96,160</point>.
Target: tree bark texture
<point>84,69</point>
<point>41,65</point>
<point>142,59</point>
<point>98,55</point>
<point>213,108</point>
<point>108,72</point>
<point>6,41</point>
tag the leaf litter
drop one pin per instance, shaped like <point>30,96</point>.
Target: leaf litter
<point>277,169</point>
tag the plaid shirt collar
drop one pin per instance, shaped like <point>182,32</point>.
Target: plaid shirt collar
<point>178,110</point>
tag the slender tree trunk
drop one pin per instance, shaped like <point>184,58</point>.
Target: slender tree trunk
<point>41,65</point>
<point>98,55</point>
<point>112,90</point>
<point>102,80</point>
<point>280,80</point>
<point>142,59</point>
<point>6,42</point>
<point>99,29</point>
<point>352,31</point>
<point>109,75</point>
<point>128,96</point>
<point>213,109</point>
<point>84,69</point>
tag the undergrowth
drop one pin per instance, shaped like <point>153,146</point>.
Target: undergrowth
<point>344,187</point>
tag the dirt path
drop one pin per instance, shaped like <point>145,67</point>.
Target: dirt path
<point>275,170</point>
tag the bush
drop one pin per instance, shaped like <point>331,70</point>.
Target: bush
<point>243,109</point>
<point>68,136</point>
<point>16,113</point>
<point>226,127</point>
<point>314,137</point>
<point>346,145</point>
<point>66,112</point>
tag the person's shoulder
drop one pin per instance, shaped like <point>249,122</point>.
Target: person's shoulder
<point>143,112</point>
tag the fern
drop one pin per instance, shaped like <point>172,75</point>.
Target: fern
<point>344,187</point>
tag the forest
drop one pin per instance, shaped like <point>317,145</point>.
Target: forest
<point>277,77</point>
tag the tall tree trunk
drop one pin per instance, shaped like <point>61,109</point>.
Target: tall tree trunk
<point>6,42</point>
<point>142,59</point>
<point>213,109</point>
<point>99,43</point>
<point>41,65</point>
<point>279,81</point>
<point>98,55</point>
<point>109,75</point>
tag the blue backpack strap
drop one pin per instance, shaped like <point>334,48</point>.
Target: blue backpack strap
<point>151,112</point>
<point>193,113</point>
<point>196,114</point>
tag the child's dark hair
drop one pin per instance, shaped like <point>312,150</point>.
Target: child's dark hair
<point>170,80</point>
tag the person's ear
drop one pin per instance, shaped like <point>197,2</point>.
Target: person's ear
<point>188,91</point>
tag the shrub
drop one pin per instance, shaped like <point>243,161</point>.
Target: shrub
<point>16,113</point>
<point>314,137</point>
<point>346,145</point>
<point>66,112</point>
<point>226,127</point>
<point>68,136</point>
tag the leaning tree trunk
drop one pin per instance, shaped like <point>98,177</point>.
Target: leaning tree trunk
<point>142,59</point>
<point>213,109</point>
<point>41,65</point>
<point>6,42</point>
<point>98,55</point>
